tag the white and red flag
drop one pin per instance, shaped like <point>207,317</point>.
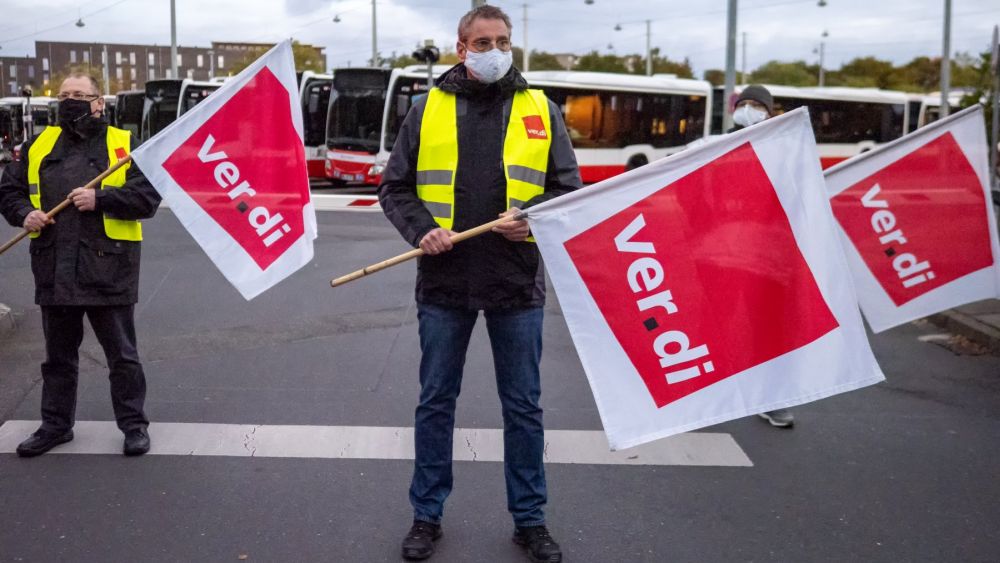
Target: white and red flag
<point>917,221</point>
<point>233,170</point>
<point>707,286</point>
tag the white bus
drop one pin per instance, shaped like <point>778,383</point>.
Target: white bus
<point>314,94</point>
<point>12,122</point>
<point>168,99</point>
<point>846,121</point>
<point>616,121</point>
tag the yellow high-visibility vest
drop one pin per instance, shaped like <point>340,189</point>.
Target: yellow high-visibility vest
<point>118,148</point>
<point>525,152</point>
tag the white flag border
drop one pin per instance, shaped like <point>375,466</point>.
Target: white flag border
<point>232,260</point>
<point>879,309</point>
<point>830,278</point>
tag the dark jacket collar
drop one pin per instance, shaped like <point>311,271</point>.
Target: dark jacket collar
<point>456,81</point>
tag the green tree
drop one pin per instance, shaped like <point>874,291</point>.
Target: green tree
<point>594,61</point>
<point>863,72</point>
<point>715,76</point>
<point>539,60</point>
<point>796,73</point>
<point>306,58</point>
<point>662,65</point>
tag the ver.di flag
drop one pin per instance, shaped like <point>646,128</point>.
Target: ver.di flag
<point>233,170</point>
<point>707,286</point>
<point>917,221</point>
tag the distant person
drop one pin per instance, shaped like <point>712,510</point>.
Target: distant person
<point>754,105</point>
<point>480,145</point>
<point>85,261</point>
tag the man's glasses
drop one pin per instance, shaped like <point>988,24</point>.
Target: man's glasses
<point>483,45</point>
<point>77,96</point>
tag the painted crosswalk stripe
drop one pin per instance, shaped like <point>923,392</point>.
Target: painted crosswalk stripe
<point>381,442</point>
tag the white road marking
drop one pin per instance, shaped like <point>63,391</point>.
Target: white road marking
<point>380,442</point>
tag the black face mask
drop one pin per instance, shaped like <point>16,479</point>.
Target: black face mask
<point>74,115</point>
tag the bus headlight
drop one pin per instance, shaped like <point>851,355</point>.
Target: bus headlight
<point>376,170</point>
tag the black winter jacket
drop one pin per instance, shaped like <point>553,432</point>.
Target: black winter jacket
<point>487,272</point>
<point>73,261</point>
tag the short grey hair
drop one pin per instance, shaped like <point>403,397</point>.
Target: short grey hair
<point>94,83</point>
<point>485,12</point>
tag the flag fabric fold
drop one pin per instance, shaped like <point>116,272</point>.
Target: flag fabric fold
<point>707,286</point>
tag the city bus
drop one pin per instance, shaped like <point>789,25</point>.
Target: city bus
<point>846,121</point>
<point>354,123</point>
<point>128,112</point>
<point>168,99</point>
<point>12,126</point>
<point>314,94</point>
<point>618,122</point>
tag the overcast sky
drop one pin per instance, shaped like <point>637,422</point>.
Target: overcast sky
<point>897,30</point>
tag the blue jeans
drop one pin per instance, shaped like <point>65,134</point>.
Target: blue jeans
<point>516,339</point>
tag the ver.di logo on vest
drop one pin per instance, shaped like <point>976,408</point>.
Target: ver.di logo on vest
<point>535,127</point>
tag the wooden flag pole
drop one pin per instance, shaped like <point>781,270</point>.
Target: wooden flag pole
<point>459,237</point>
<point>66,202</point>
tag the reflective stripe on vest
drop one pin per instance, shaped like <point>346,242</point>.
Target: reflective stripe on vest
<point>525,152</point>
<point>118,148</point>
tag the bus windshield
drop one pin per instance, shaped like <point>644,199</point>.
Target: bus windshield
<point>192,95</point>
<point>128,112</point>
<point>6,129</point>
<point>160,106</point>
<point>315,103</point>
<point>354,122</point>
<point>404,91</point>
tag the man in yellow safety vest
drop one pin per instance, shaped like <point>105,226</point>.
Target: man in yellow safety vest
<point>479,145</point>
<point>85,261</point>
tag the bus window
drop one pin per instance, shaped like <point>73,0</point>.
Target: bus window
<point>316,100</point>
<point>192,96</point>
<point>354,120</point>
<point>406,92</point>
<point>914,121</point>
<point>846,122</point>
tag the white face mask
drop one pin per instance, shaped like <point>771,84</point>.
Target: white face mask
<point>490,66</point>
<point>747,115</point>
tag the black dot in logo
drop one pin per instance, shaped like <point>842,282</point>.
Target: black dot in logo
<point>243,207</point>
<point>650,324</point>
<point>890,252</point>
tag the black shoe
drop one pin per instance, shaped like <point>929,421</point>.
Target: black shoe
<point>42,441</point>
<point>419,542</point>
<point>540,545</point>
<point>136,442</point>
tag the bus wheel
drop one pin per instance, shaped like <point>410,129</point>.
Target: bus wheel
<point>636,161</point>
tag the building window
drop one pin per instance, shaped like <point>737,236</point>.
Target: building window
<point>118,57</point>
<point>221,61</point>
<point>191,73</point>
<point>86,57</point>
<point>152,59</point>
<point>72,56</point>
<point>180,59</point>
<point>31,72</point>
<point>152,73</point>
<point>134,86</point>
<point>132,73</point>
<point>13,71</point>
<point>45,77</point>
<point>118,73</point>
<point>201,61</point>
<point>169,73</point>
<point>45,63</point>
<point>131,58</point>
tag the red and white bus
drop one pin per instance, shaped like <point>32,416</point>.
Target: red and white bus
<point>846,121</point>
<point>616,121</point>
<point>314,94</point>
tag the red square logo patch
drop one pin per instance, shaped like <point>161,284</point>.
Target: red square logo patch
<point>920,222</point>
<point>703,279</point>
<point>534,126</point>
<point>120,153</point>
<point>250,179</point>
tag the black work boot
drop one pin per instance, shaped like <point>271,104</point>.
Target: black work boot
<point>136,442</point>
<point>539,543</point>
<point>42,441</point>
<point>419,541</point>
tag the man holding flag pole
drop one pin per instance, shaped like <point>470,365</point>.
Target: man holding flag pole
<point>480,145</point>
<point>87,263</point>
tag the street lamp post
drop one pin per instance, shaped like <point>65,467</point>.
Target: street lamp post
<point>374,37</point>
<point>173,39</point>
<point>946,60</point>
<point>727,115</point>
<point>822,56</point>
<point>649,49</point>
<point>525,59</point>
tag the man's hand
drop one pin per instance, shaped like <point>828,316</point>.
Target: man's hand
<point>36,220</point>
<point>437,241</point>
<point>515,231</point>
<point>84,199</point>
